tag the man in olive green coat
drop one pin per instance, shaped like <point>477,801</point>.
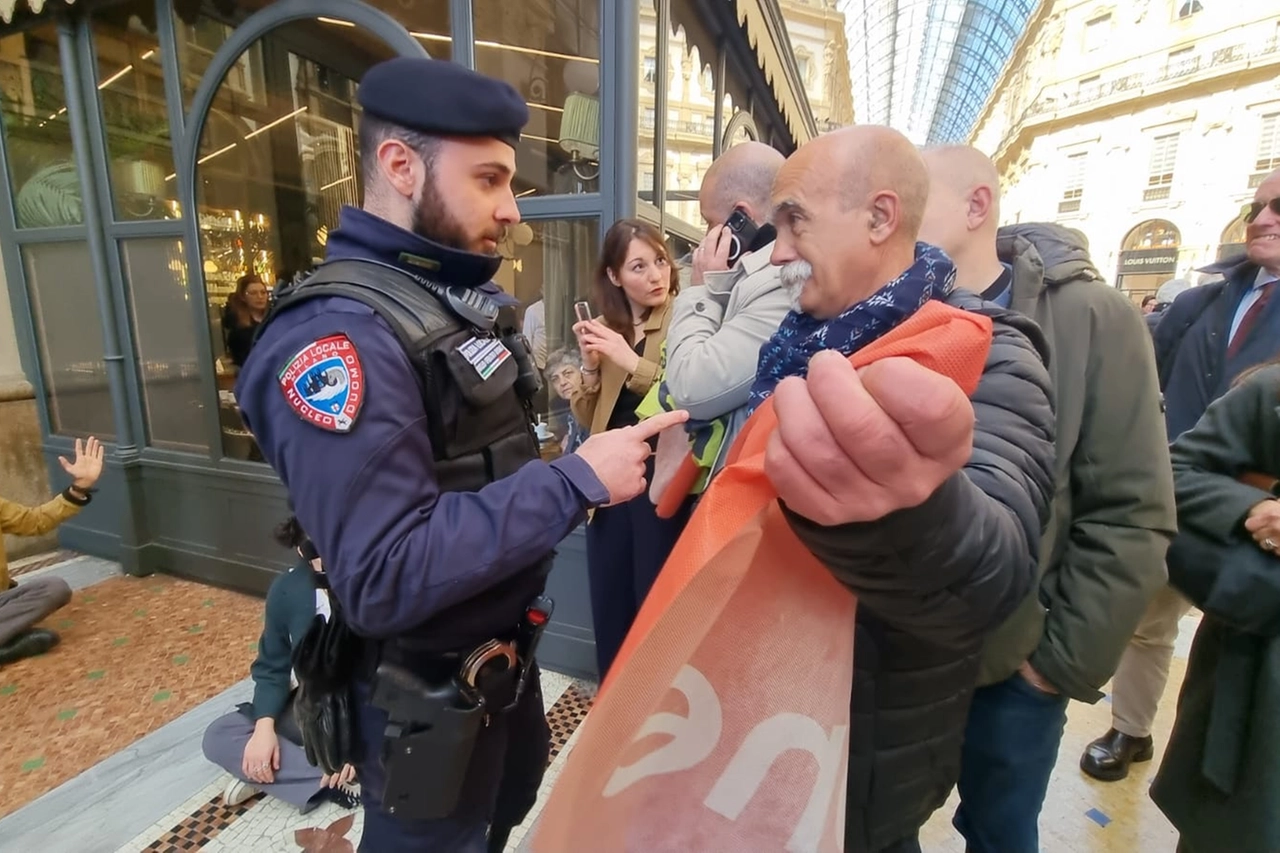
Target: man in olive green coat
<point>1102,554</point>
<point>1219,782</point>
<point>22,606</point>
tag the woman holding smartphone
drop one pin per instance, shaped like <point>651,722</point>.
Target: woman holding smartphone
<point>635,284</point>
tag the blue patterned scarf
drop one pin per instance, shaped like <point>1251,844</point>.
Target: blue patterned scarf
<point>801,337</point>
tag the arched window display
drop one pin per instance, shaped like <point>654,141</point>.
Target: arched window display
<point>1148,257</point>
<point>1232,243</point>
<point>278,158</point>
<point>1153,234</point>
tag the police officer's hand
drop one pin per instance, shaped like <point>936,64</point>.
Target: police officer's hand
<point>618,456</point>
<point>856,445</point>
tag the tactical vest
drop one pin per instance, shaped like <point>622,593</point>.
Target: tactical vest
<point>479,422</point>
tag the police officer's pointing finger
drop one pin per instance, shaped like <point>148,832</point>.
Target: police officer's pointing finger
<point>618,456</point>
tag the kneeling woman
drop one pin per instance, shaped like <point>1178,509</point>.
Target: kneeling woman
<point>627,544</point>
<point>259,743</point>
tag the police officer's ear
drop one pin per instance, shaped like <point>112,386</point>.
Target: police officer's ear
<point>401,167</point>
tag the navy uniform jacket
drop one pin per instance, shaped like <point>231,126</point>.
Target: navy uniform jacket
<point>396,550</point>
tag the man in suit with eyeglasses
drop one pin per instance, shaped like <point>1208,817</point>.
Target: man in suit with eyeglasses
<point>1209,336</point>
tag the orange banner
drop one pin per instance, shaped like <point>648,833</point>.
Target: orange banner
<point>724,723</point>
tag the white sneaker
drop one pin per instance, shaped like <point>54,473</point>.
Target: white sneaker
<point>237,792</point>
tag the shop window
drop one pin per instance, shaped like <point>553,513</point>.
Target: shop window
<point>1097,32</point>
<point>690,142</point>
<point>168,362</point>
<point>64,306</point>
<point>1073,189</point>
<point>131,98</point>
<point>1268,159</point>
<point>551,264</point>
<point>33,107</point>
<point>550,52</point>
<point>1153,234</point>
<point>276,165</point>
<point>647,146</point>
<point>1164,157</point>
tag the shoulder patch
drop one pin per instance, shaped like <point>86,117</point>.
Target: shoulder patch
<point>324,383</point>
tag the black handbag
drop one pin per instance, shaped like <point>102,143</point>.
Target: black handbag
<point>325,664</point>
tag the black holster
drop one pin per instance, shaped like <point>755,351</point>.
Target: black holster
<point>431,734</point>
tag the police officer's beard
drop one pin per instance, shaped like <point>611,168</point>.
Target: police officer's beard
<point>432,220</point>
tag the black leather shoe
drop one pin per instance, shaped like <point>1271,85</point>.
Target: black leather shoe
<point>1107,759</point>
<point>37,641</point>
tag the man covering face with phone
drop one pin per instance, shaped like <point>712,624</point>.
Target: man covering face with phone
<point>736,303</point>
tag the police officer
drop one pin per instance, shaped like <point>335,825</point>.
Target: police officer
<point>393,405</point>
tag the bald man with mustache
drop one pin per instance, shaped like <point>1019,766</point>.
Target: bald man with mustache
<point>924,502</point>
<point>1102,555</point>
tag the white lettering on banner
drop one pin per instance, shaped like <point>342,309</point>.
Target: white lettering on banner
<point>694,736</point>
<point>766,742</point>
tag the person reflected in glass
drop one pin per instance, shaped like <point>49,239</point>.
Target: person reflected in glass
<point>245,311</point>
<point>564,376</point>
<point>635,283</point>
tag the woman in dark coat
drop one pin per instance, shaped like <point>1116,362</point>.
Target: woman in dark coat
<point>1219,782</point>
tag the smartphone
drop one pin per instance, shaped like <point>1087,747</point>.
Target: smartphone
<point>743,230</point>
<point>583,311</point>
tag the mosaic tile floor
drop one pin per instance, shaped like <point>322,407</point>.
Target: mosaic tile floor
<point>135,654</point>
<point>264,824</point>
<point>18,568</point>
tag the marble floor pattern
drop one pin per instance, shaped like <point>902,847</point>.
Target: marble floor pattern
<point>159,794</point>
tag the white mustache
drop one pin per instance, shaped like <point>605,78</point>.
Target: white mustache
<point>794,276</point>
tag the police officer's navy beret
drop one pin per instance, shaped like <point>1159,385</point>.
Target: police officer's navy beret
<point>443,99</point>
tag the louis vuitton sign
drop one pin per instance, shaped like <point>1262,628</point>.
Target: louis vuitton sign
<point>1148,262</point>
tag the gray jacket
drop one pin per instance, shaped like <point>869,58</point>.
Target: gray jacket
<point>713,343</point>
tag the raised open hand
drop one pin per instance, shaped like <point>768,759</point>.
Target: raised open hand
<point>87,467</point>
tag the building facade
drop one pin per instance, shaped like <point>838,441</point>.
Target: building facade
<point>156,151</point>
<point>1147,126</point>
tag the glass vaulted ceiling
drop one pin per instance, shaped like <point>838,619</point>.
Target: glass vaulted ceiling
<point>926,67</point>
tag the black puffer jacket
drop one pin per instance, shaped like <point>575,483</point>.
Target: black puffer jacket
<point>932,581</point>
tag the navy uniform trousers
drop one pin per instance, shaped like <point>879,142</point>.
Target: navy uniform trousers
<point>501,785</point>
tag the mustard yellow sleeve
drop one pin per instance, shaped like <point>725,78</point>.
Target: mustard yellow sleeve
<point>646,373</point>
<point>21,520</point>
<point>582,402</point>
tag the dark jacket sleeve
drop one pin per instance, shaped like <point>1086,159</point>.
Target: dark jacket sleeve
<point>1122,508</point>
<point>1213,561</point>
<point>398,550</point>
<point>1229,440</point>
<point>954,567</point>
<point>271,668</point>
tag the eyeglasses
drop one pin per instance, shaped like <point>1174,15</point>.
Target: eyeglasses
<point>1254,210</point>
